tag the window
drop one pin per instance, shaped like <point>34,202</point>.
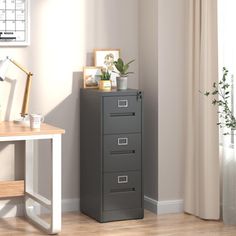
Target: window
<point>227,45</point>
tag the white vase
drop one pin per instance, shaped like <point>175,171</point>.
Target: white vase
<point>122,83</point>
<point>228,165</point>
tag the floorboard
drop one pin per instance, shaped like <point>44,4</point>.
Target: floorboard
<point>79,224</point>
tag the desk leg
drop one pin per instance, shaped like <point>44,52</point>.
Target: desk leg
<point>56,184</point>
<point>29,165</point>
<point>30,196</point>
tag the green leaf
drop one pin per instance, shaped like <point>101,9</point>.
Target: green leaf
<point>130,62</point>
<point>122,67</point>
<point>215,92</point>
<point>120,62</point>
<point>126,67</point>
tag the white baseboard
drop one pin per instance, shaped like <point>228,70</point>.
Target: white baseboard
<point>163,207</point>
<point>150,204</point>
<point>11,210</point>
<point>68,205</point>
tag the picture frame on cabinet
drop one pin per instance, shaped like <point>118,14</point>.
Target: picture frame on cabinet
<point>105,58</point>
<point>91,76</point>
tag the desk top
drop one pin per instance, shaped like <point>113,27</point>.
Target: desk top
<point>8,128</point>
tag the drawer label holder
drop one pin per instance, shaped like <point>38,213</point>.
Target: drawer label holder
<point>123,179</point>
<point>122,141</point>
<point>123,103</point>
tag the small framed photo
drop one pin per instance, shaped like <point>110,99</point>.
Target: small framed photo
<point>92,76</point>
<point>105,58</point>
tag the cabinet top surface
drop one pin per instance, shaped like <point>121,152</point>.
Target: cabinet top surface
<point>110,92</point>
<point>8,128</point>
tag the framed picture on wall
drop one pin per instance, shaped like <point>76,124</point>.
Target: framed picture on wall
<point>91,76</point>
<point>105,58</point>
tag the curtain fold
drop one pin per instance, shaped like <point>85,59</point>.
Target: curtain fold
<point>202,167</point>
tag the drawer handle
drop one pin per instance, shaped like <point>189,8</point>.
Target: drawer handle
<point>122,141</point>
<point>122,190</point>
<point>123,179</point>
<point>123,103</point>
<point>122,114</point>
<point>122,152</point>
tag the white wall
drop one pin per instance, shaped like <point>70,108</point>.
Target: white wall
<point>63,36</point>
<point>152,31</point>
<point>171,78</point>
<point>162,77</point>
<point>148,69</point>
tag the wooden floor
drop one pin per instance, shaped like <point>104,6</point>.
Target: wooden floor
<point>79,224</point>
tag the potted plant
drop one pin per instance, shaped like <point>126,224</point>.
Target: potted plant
<point>122,69</point>
<point>105,82</point>
<point>222,96</point>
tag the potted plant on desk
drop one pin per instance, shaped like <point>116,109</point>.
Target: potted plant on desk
<point>123,73</point>
<point>105,82</point>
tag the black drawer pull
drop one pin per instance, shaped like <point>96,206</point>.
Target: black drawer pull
<point>122,114</point>
<point>122,190</point>
<point>122,152</point>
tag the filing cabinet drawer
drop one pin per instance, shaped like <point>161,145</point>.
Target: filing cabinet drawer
<point>122,152</point>
<point>122,114</point>
<point>122,190</point>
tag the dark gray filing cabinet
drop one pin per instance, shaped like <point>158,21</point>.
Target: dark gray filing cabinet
<point>111,186</point>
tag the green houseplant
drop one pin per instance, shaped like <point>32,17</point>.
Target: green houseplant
<point>106,75</point>
<point>105,82</point>
<point>221,93</point>
<point>123,73</point>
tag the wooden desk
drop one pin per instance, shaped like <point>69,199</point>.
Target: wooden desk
<point>10,131</point>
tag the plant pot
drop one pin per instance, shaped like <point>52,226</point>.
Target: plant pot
<point>122,83</point>
<point>105,84</point>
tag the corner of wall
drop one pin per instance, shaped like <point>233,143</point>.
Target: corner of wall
<point>164,207</point>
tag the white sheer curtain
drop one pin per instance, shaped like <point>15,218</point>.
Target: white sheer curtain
<point>229,181</point>
<point>227,58</point>
<point>202,172</point>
